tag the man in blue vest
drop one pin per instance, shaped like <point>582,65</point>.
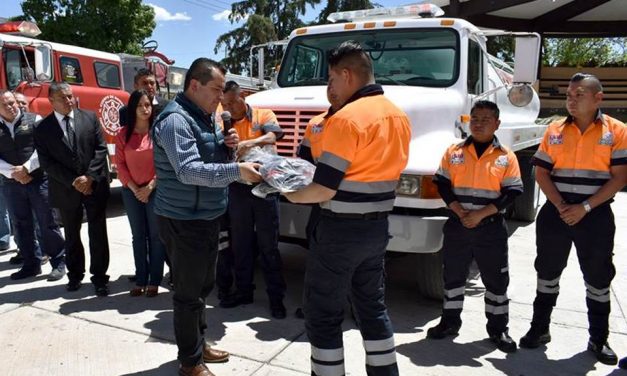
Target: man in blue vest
<point>193,173</point>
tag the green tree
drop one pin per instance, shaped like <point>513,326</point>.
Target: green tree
<point>584,52</point>
<point>106,25</point>
<point>267,20</point>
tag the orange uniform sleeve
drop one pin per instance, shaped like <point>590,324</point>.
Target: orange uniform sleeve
<point>619,148</point>
<point>542,157</point>
<point>339,146</point>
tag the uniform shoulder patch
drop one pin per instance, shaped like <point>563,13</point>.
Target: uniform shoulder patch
<point>607,139</point>
<point>556,139</point>
<point>316,128</point>
<point>457,157</point>
<point>502,161</point>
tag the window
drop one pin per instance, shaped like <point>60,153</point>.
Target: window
<point>416,57</point>
<point>16,67</point>
<point>475,68</point>
<point>107,75</point>
<point>71,70</point>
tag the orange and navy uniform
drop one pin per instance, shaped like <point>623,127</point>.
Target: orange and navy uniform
<point>580,163</point>
<point>310,147</point>
<point>477,181</point>
<point>364,149</point>
<point>256,123</point>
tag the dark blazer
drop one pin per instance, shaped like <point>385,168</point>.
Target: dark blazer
<point>57,159</point>
<point>156,109</point>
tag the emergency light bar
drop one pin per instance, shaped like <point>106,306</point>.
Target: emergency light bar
<point>23,28</point>
<point>406,11</point>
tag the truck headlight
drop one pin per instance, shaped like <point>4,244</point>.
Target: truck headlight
<point>417,186</point>
<point>408,185</point>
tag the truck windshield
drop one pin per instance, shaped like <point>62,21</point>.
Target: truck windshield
<point>416,57</point>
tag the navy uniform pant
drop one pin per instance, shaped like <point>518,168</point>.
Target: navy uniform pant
<point>593,237</point>
<point>346,258</point>
<point>254,225</point>
<point>487,244</point>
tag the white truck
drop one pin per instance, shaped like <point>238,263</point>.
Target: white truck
<point>433,68</point>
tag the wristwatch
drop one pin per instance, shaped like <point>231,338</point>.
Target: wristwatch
<point>586,206</point>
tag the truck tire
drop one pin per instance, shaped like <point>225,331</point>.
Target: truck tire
<point>525,207</point>
<point>430,279</point>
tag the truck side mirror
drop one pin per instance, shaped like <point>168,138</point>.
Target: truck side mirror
<point>43,66</point>
<point>526,58</point>
<point>520,95</point>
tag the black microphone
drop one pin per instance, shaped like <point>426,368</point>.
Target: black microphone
<point>227,124</point>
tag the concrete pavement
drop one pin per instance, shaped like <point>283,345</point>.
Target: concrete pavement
<point>46,330</point>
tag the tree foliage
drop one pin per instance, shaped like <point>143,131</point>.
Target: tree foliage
<point>266,20</point>
<point>585,52</point>
<point>107,25</point>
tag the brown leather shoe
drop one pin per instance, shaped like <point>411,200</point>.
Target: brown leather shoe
<point>198,370</point>
<point>210,355</point>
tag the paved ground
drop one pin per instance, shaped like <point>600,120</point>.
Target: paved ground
<point>46,330</point>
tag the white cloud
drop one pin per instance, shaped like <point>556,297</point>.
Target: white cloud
<point>224,16</point>
<point>162,14</point>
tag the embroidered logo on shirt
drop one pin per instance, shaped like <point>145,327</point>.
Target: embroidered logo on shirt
<point>457,158</point>
<point>556,139</point>
<point>316,128</point>
<point>607,139</point>
<point>502,161</point>
<point>23,128</point>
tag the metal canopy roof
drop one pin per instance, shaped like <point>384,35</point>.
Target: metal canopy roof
<point>602,18</point>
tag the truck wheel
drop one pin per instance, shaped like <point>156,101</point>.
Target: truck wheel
<point>526,205</point>
<point>430,280</point>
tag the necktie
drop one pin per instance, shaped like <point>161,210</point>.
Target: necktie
<point>71,136</point>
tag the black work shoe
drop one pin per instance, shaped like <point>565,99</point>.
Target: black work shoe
<point>235,300</point>
<point>23,273</point>
<point>623,363</point>
<point>534,339</point>
<point>442,330</point>
<point>504,342</point>
<point>102,290</point>
<point>277,309</point>
<point>603,353</point>
<point>17,259</point>
<point>73,285</point>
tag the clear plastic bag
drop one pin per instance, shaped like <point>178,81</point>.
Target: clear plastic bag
<point>280,174</point>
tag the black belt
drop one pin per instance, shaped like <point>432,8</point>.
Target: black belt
<point>372,215</point>
<point>487,220</point>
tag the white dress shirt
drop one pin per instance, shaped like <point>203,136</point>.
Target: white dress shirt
<point>31,164</point>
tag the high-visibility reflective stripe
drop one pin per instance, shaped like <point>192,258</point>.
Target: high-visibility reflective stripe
<point>505,269</point>
<point>496,310</point>
<point>572,173</point>
<point>455,292</point>
<point>622,153</point>
<point>327,370</point>
<point>454,304</point>
<point>596,291</point>
<point>543,156</point>
<point>380,360</point>
<point>512,182</point>
<point>599,298</point>
<point>334,161</point>
<point>548,290</point>
<point>371,187</point>
<point>358,207</point>
<point>379,345</point>
<point>305,142</point>
<point>496,298</point>
<point>475,192</point>
<point>547,282</point>
<point>469,206</point>
<point>443,172</point>
<point>580,189</point>
<point>327,355</point>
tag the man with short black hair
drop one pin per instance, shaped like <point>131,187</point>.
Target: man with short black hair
<point>356,192</point>
<point>145,80</point>
<point>580,165</point>
<point>191,162</point>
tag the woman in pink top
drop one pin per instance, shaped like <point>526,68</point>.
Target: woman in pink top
<point>136,171</point>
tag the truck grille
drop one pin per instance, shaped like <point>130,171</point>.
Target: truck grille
<point>293,123</point>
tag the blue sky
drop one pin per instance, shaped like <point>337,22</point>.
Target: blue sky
<point>187,29</point>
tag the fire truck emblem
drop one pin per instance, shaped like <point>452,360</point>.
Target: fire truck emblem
<point>109,114</point>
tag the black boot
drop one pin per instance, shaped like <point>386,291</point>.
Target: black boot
<point>442,330</point>
<point>535,338</point>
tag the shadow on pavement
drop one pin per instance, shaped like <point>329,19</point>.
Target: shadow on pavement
<point>535,362</point>
<point>444,352</point>
<point>169,368</point>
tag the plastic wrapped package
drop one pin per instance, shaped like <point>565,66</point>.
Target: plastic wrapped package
<point>280,174</point>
